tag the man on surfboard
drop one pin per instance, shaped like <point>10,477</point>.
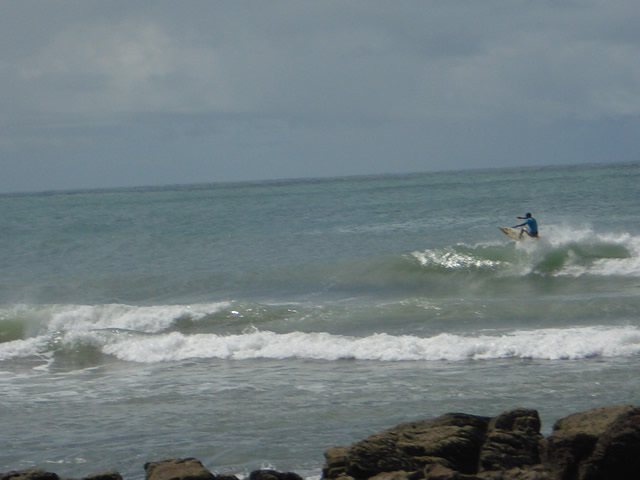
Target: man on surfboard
<point>530,223</point>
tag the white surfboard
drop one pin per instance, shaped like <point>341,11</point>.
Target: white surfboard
<point>513,233</point>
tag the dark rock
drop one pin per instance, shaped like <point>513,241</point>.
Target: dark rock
<point>399,475</point>
<point>452,440</point>
<point>336,462</point>
<point>273,475</point>
<point>538,472</point>
<point>104,476</point>
<point>525,420</point>
<point>451,447</point>
<point>513,441</point>
<point>30,474</point>
<point>599,444</point>
<point>177,469</point>
<point>440,472</point>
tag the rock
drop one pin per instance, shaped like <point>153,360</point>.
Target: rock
<point>454,446</point>
<point>177,469</point>
<point>273,475</point>
<point>598,444</point>
<point>336,462</point>
<point>104,476</point>
<point>452,440</point>
<point>440,472</point>
<point>30,474</point>
<point>37,474</point>
<point>513,441</point>
<point>399,475</point>
<point>538,472</point>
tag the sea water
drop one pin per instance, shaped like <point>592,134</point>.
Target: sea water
<point>254,325</point>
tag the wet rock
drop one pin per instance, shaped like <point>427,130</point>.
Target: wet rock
<point>29,474</point>
<point>452,440</point>
<point>177,469</point>
<point>513,440</point>
<point>399,475</point>
<point>598,444</point>
<point>104,476</point>
<point>440,472</point>
<point>273,475</point>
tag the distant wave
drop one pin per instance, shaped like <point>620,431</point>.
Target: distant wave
<point>24,321</point>
<point>559,252</point>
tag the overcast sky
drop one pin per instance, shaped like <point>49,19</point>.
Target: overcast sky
<point>113,93</point>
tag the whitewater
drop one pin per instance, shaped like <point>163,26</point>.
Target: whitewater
<point>258,324</point>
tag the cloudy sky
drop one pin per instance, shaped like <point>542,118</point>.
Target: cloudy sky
<point>108,93</point>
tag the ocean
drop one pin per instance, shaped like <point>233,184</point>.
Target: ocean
<point>254,325</point>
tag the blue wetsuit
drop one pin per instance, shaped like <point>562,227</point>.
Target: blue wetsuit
<point>532,225</point>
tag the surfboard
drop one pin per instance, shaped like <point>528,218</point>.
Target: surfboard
<point>513,233</point>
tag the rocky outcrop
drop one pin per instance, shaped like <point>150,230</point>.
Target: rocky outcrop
<point>38,474</point>
<point>453,446</point>
<point>177,469</point>
<point>273,475</point>
<point>30,474</point>
<point>598,444</point>
<point>601,443</point>
<point>452,440</point>
<point>192,469</point>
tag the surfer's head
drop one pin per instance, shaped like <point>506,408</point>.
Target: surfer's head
<point>527,215</point>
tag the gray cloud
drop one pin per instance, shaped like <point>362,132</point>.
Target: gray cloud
<point>127,93</point>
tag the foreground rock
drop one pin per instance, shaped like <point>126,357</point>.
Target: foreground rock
<point>177,469</point>
<point>444,447</point>
<point>598,444</point>
<point>38,474</point>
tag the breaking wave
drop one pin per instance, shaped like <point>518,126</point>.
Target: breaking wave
<point>83,335</point>
<point>544,344</point>
<point>560,252</point>
<point>452,303</point>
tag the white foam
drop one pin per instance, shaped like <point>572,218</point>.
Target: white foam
<point>548,344</point>
<point>561,235</point>
<point>453,260</point>
<point>629,267</point>
<point>68,325</point>
<point>143,319</point>
<point>22,348</point>
<point>570,240</point>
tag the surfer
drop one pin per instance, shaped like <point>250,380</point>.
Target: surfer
<point>530,223</point>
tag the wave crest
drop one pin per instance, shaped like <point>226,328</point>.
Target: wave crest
<point>545,344</point>
<point>541,344</point>
<point>560,252</point>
